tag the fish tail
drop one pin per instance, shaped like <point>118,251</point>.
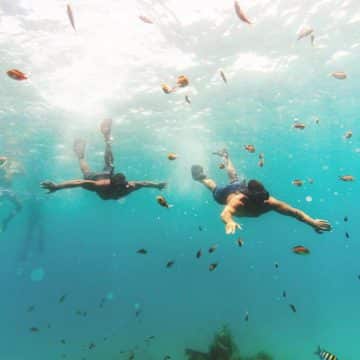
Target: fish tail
<point>318,350</point>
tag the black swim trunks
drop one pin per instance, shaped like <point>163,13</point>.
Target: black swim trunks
<point>107,173</point>
<point>221,193</point>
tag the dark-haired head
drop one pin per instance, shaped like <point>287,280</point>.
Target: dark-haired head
<point>118,179</point>
<point>256,192</point>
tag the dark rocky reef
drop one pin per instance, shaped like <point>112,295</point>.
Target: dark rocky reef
<point>223,347</point>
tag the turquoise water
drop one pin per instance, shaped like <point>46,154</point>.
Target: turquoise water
<point>113,66</point>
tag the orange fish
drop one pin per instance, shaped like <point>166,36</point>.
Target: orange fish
<point>212,248</point>
<point>241,14</point>
<point>250,148</point>
<point>70,16</point>
<point>16,74</point>
<point>213,266</point>
<point>145,19</point>
<point>347,178</point>
<point>172,156</point>
<point>299,126</point>
<point>304,32</point>
<point>297,182</point>
<point>162,202</point>
<point>340,75</point>
<point>166,88</point>
<point>301,250</point>
<point>240,242</point>
<point>182,81</point>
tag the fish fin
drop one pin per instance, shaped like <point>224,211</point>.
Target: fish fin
<point>170,206</point>
<point>318,350</point>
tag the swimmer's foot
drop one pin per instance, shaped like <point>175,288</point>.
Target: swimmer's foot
<point>105,128</point>
<point>197,173</point>
<point>222,153</point>
<point>79,148</point>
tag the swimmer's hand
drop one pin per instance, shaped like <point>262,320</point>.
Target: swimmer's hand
<point>50,186</point>
<point>231,227</point>
<point>321,225</point>
<point>162,185</point>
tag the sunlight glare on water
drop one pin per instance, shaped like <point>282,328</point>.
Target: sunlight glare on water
<point>106,279</point>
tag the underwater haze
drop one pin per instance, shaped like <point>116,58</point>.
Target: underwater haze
<point>73,283</point>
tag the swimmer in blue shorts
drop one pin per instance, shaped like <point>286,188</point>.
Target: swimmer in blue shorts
<point>248,199</point>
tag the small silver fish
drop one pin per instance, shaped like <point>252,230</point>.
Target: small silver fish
<point>71,16</point>
<point>187,99</point>
<point>222,74</point>
<point>312,39</point>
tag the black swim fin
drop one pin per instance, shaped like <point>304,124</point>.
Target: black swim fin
<point>197,173</point>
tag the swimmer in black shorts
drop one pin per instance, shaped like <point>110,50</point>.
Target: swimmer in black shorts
<point>248,199</point>
<point>106,184</point>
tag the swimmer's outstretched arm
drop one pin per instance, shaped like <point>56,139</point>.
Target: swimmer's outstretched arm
<point>147,184</point>
<point>86,184</point>
<point>227,217</point>
<point>285,209</point>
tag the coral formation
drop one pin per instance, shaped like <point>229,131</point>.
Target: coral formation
<point>223,347</point>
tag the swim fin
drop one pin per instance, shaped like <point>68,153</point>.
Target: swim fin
<point>197,173</point>
<point>79,148</point>
<point>105,128</point>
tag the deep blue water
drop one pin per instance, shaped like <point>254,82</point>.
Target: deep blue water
<point>89,245</point>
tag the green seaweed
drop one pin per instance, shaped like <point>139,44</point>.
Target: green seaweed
<point>223,347</point>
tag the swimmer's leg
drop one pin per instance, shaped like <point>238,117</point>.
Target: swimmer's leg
<point>197,173</point>
<point>105,128</point>
<point>79,149</point>
<point>229,166</point>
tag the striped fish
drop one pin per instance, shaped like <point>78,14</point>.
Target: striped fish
<point>323,354</point>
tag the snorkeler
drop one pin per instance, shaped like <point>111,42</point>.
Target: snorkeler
<point>5,194</point>
<point>11,197</point>
<point>248,199</point>
<point>8,169</point>
<point>34,239</point>
<point>106,184</point>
